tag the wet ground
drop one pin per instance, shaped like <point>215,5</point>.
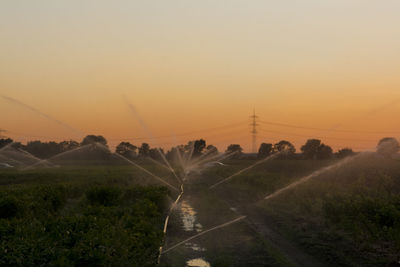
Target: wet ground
<point>190,224</point>
<point>234,245</point>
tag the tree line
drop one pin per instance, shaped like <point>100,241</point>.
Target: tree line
<point>313,149</point>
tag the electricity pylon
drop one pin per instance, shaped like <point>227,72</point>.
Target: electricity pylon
<point>254,131</point>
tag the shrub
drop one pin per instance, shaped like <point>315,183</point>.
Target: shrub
<point>364,215</point>
<point>9,207</point>
<point>106,196</point>
<point>52,197</point>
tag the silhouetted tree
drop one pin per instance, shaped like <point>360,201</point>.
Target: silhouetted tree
<point>18,145</point>
<point>43,150</point>
<point>186,151</point>
<point>189,146</point>
<point>92,139</point>
<point>144,150</point>
<point>311,148</point>
<point>5,141</point>
<point>68,145</point>
<point>199,145</point>
<point>48,149</point>
<point>211,150</point>
<point>126,149</point>
<point>99,149</point>
<point>325,152</point>
<point>315,149</point>
<point>236,149</point>
<point>172,154</point>
<point>265,150</point>
<point>285,146</point>
<point>388,146</point>
<point>345,152</point>
<point>154,153</point>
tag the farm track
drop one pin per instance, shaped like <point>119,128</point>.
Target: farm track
<point>264,227</point>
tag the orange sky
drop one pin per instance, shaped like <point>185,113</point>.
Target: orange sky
<point>193,65</point>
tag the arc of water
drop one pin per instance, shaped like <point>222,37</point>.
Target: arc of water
<point>6,146</point>
<point>167,219</point>
<point>180,159</point>
<point>173,207</point>
<point>216,157</point>
<point>148,132</point>
<point>189,156</point>
<point>227,155</point>
<point>166,222</point>
<point>146,171</point>
<point>58,155</point>
<point>179,152</point>
<point>204,232</point>
<point>31,155</point>
<point>158,163</point>
<point>202,157</point>
<point>199,164</point>
<point>13,160</point>
<point>138,166</point>
<point>34,157</point>
<point>22,151</point>
<point>169,165</point>
<point>161,180</point>
<point>246,169</point>
<point>44,115</point>
<point>314,174</point>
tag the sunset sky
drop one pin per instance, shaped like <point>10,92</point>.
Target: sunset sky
<point>190,67</point>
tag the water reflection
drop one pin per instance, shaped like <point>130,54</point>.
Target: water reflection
<point>194,247</point>
<point>198,263</point>
<point>189,218</point>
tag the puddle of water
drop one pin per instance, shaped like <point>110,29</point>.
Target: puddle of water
<point>194,247</point>
<point>198,263</point>
<point>198,227</point>
<point>189,218</point>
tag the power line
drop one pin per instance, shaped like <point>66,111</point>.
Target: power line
<point>325,137</point>
<point>2,131</point>
<point>218,131</point>
<point>228,126</point>
<point>323,129</point>
<point>233,125</point>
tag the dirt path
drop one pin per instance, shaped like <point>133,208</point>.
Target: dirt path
<point>267,229</point>
<point>264,227</point>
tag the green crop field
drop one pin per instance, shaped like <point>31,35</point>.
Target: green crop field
<point>80,216</point>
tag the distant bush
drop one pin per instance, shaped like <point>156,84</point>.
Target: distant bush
<point>106,196</point>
